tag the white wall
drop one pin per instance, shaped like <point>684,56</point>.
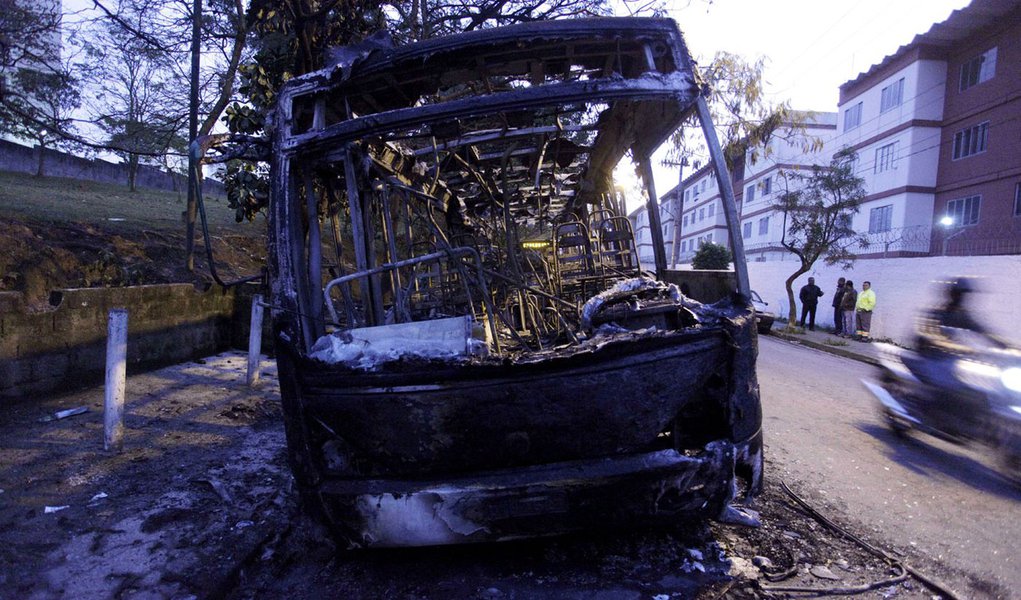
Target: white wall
<point>904,286</point>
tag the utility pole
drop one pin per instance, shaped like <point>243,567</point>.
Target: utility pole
<point>193,130</point>
<point>675,253</point>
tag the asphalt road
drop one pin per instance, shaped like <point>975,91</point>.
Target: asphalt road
<point>826,439</point>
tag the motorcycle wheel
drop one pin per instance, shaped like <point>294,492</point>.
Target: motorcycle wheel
<point>896,424</point>
<point>1010,466</point>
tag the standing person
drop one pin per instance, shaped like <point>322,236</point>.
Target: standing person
<point>847,304</point>
<point>864,306</point>
<point>838,318</point>
<point>809,295</point>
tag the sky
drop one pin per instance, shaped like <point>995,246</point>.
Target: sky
<point>811,47</point>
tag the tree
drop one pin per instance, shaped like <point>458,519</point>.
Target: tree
<point>37,92</point>
<point>817,216</point>
<point>744,119</point>
<point>137,96</point>
<point>710,256</point>
<point>49,101</point>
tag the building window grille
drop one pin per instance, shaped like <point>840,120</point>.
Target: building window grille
<point>892,96</point>
<point>979,69</point>
<point>685,220</point>
<point>701,214</point>
<point>880,219</point>
<point>852,117</point>
<point>763,225</point>
<point>964,211</point>
<point>886,157</point>
<point>971,140</point>
<point>748,229</point>
<point>749,193</point>
<point>687,195</point>
<point>712,209</point>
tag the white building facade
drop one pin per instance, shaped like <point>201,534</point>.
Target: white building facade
<point>891,117</point>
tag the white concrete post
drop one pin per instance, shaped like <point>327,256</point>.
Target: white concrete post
<point>116,357</point>
<point>255,340</point>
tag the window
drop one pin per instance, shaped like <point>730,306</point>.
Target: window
<point>979,69</point>
<point>886,157</point>
<point>880,219</point>
<point>763,225</point>
<point>892,95</point>
<point>852,117</point>
<point>749,193</point>
<point>687,196</point>
<point>685,220</point>
<point>701,214</point>
<point>703,184</point>
<point>709,237</point>
<point>748,226</point>
<point>766,185</point>
<point>844,221</point>
<point>1017,200</point>
<point>964,211</point>
<point>712,209</point>
<point>970,141</point>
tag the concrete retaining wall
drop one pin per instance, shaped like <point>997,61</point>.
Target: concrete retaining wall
<point>22,159</point>
<point>704,286</point>
<point>65,348</point>
<point>904,287</point>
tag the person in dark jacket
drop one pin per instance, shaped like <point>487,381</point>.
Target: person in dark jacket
<point>847,304</point>
<point>838,318</point>
<point>809,296</point>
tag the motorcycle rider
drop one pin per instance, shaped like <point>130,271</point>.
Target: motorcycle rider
<point>945,334</point>
<point>937,328</point>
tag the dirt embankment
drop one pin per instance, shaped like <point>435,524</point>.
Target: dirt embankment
<point>37,258</point>
<point>66,233</point>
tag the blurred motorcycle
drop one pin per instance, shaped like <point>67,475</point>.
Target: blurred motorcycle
<point>969,397</point>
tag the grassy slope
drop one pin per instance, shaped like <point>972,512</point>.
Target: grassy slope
<point>64,233</point>
<point>61,200</point>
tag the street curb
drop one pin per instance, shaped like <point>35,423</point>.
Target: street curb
<point>835,350</point>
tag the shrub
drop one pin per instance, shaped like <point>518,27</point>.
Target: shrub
<point>711,256</point>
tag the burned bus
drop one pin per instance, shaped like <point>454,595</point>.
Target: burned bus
<point>469,347</point>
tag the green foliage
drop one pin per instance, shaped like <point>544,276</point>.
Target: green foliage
<point>818,208</point>
<point>710,256</point>
<point>247,189</point>
<point>745,121</point>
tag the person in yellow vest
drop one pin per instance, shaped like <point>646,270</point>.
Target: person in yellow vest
<point>863,308</point>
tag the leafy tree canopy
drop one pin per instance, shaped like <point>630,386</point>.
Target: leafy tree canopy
<point>817,209</point>
<point>710,256</point>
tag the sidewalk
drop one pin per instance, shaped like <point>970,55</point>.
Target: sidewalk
<point>827,342</point>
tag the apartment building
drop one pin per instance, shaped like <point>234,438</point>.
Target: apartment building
<point>936,126</point>
<point>693,211</point>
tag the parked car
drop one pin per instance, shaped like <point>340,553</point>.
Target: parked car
<point>763,318</point>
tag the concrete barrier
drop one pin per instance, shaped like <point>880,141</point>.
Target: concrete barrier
<point>64,348</point>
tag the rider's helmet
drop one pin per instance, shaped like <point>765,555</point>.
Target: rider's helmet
<point>958,287</point>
